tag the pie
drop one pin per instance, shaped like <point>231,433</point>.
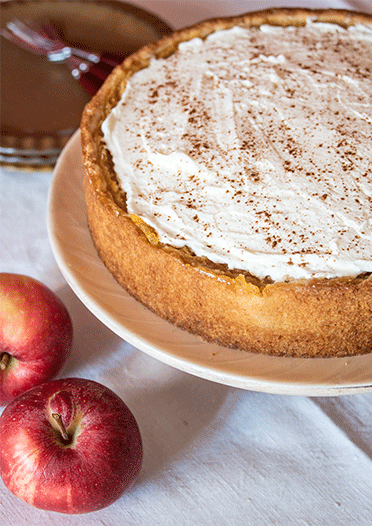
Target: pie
<point>228,180</point>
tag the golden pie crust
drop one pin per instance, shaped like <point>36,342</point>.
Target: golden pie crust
<point>301,318</point>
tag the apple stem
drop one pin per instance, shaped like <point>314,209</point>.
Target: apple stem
<point>4,360</point>
<point>57,417</point>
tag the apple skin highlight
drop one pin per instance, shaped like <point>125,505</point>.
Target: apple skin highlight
<point>36,335</point>
<point>69,446</point>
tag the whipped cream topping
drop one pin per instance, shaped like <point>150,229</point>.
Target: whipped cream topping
<point>254,149</point>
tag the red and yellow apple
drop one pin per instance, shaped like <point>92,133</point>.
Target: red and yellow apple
<point>35,334</point>
<point>70,446</point>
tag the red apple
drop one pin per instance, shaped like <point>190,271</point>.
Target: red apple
<point>70,446</point>
<point>35,335</point>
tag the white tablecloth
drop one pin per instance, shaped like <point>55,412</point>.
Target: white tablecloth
<point>213,455</point>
